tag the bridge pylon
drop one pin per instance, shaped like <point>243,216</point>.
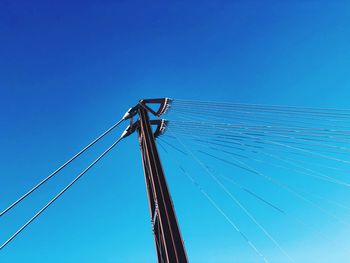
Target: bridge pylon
<point>168,240</point>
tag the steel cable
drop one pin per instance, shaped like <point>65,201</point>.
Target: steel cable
<point>60,168</point>
<point>59,194</point>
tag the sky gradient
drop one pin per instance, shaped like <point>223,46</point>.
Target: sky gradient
<point>68,71</point>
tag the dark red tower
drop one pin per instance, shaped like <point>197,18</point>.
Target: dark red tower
<point>168,240</point>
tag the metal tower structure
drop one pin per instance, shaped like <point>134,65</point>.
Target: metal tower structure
<point>168,240</point>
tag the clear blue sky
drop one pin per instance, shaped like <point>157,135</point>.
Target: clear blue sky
<point>70,69</point>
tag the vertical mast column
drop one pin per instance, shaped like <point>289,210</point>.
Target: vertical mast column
<point>169,243</point>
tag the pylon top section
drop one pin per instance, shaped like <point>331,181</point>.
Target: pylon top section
<point>162,106</point>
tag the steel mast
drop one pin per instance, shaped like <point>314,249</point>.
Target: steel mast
<point>168,240</point>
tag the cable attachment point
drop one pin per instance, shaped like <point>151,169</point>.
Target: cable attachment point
<point>129,130</point>
<point>163,104</point>
<point>130,113</point>
<point>167,105</point>
<point>161,126</point>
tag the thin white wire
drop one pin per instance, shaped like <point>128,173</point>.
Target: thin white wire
<point>191,102</point>
<point>223,187</point>
<point>223,213</point>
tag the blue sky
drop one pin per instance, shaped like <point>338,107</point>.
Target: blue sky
<point>70,70</point>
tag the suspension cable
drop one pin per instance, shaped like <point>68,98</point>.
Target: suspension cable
<point>284,107</point>
<point>59,194</point>
<point>61,167</point>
